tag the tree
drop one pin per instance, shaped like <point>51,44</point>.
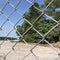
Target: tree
<point>43,24</point>
<point>55,13</point>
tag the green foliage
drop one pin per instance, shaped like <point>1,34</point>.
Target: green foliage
<point>43,25</point>
<point>10,38</point>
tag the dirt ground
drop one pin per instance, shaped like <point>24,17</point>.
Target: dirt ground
<point>22,50</point>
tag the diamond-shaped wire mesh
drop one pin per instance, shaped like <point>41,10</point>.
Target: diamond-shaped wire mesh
<point>12,15</point>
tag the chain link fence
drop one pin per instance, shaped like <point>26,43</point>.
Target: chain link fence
<point>14,50</point>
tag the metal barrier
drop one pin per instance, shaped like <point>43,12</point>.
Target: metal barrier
<point>12,45</point>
